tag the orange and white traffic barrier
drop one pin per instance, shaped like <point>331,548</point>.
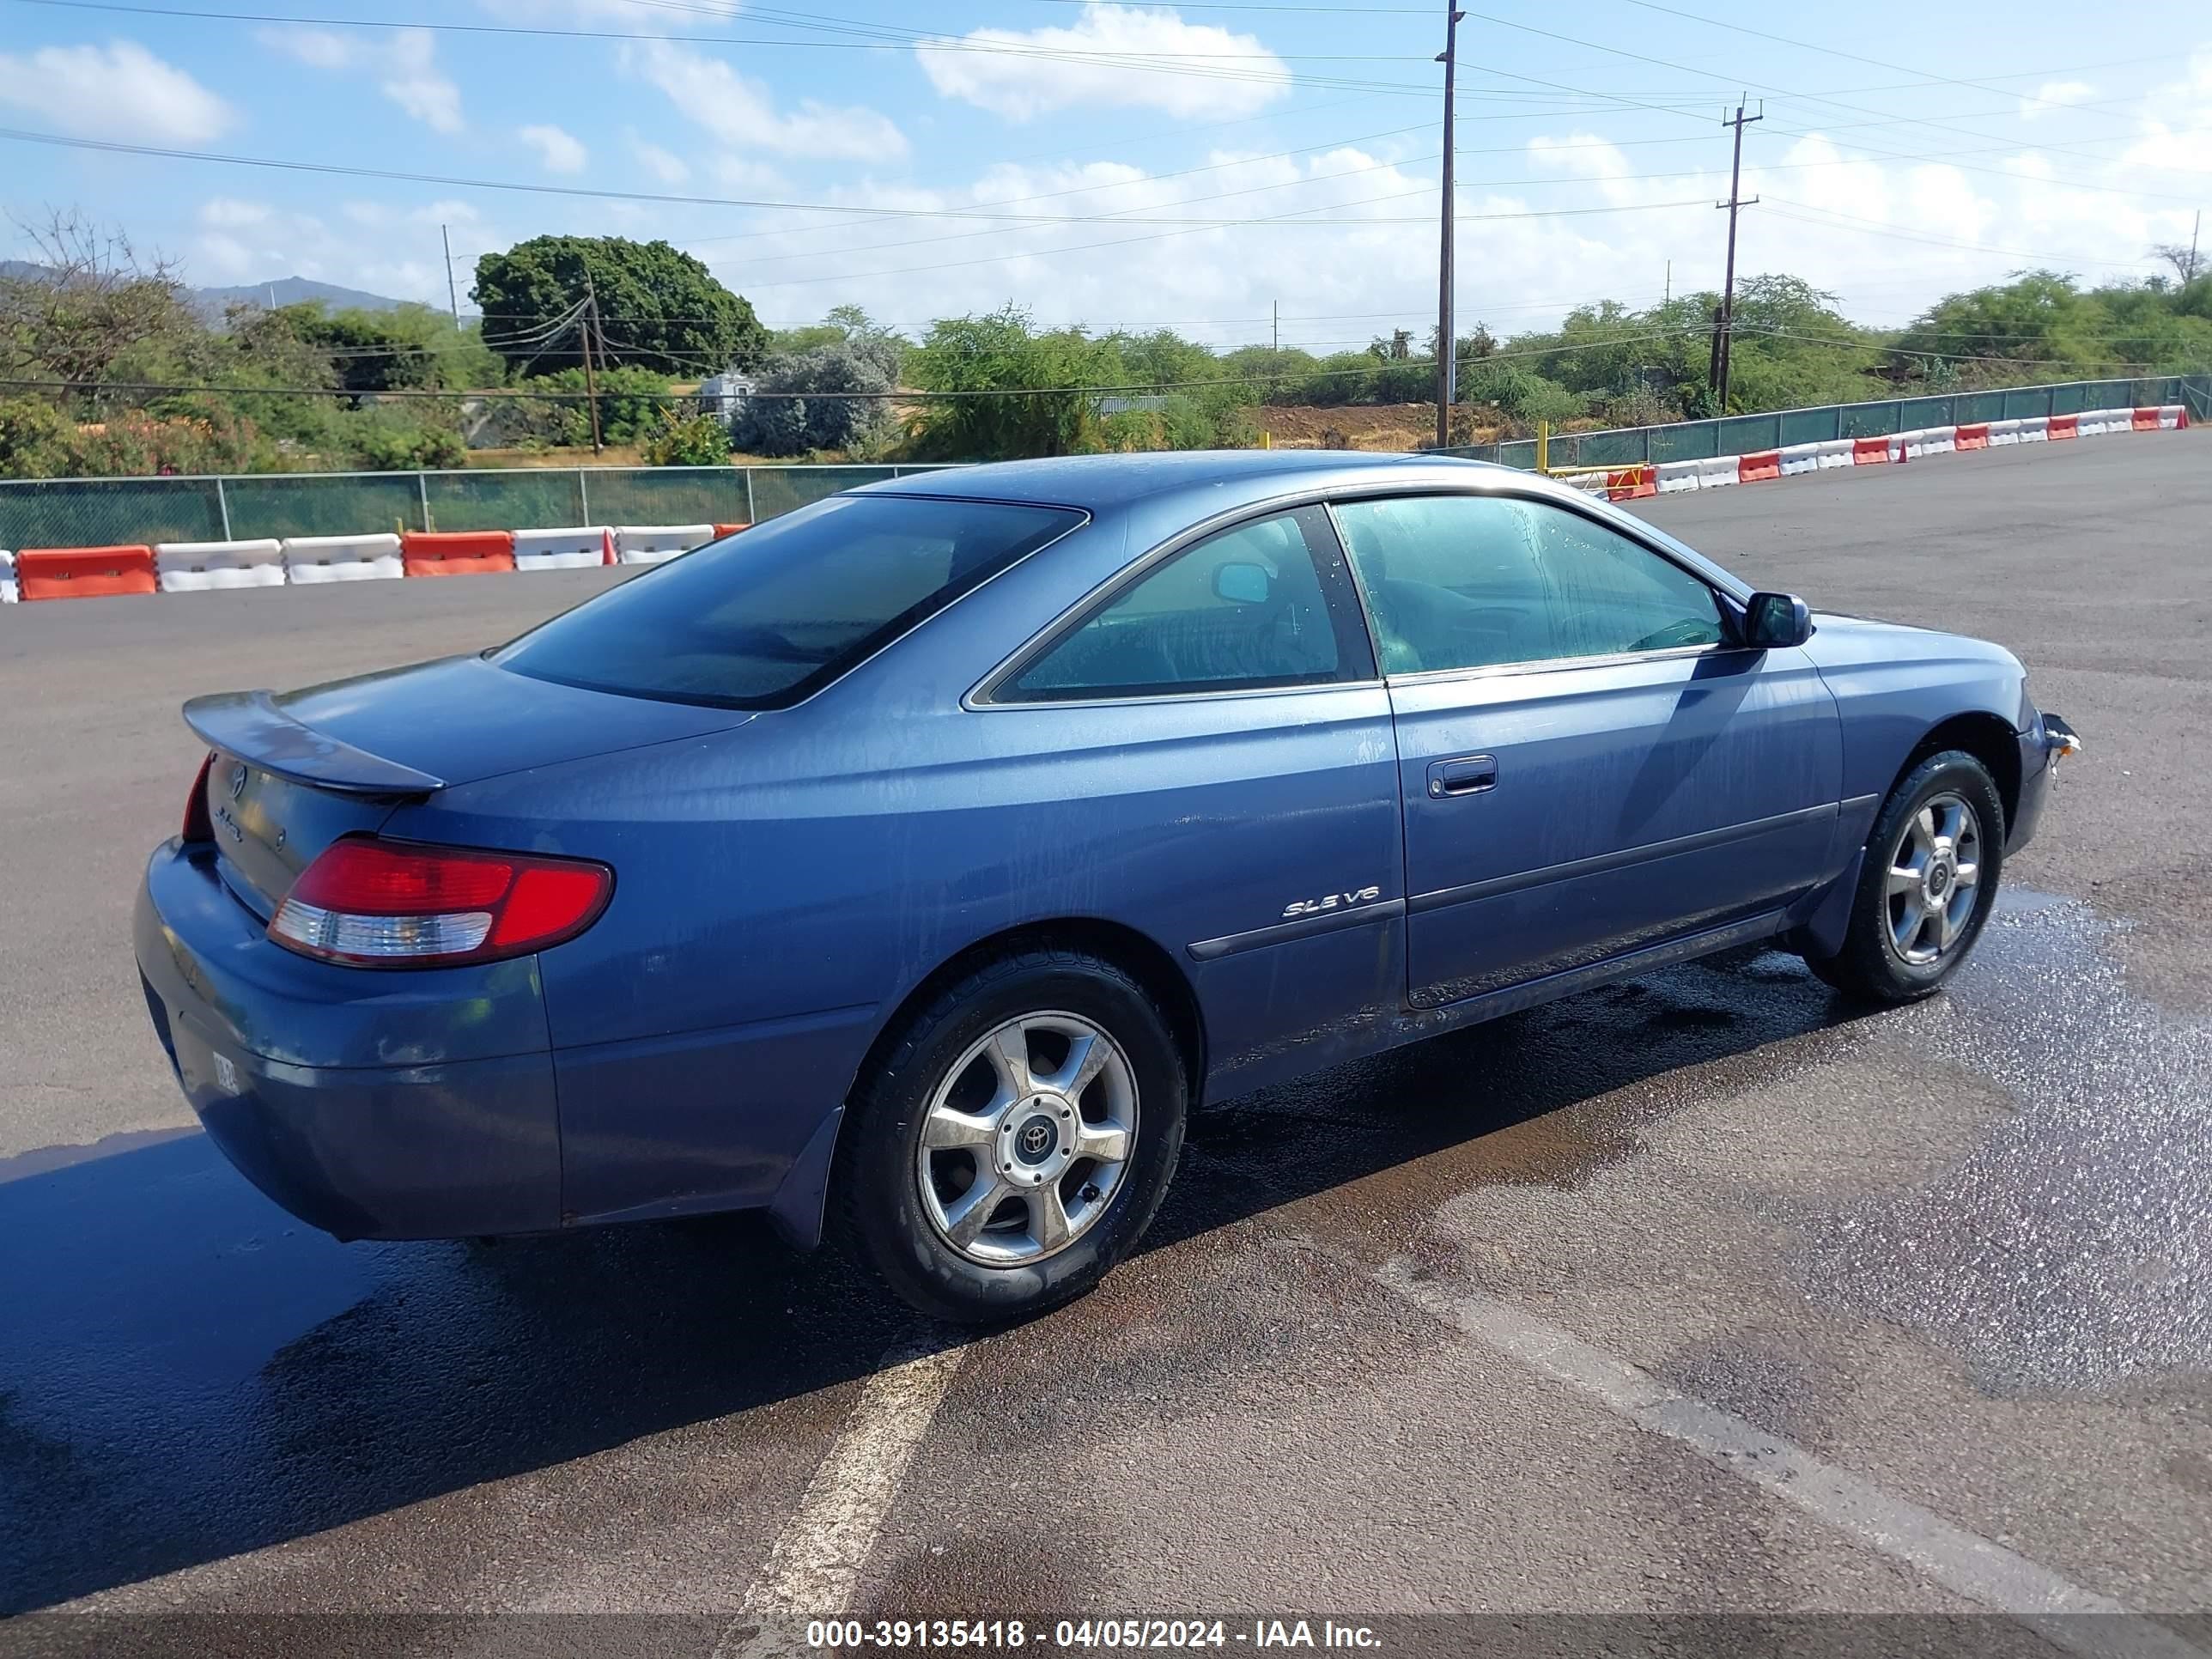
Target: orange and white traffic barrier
<point>457,552</point>
<point>8,594</point>
<point>650,544</point>
<point>1631,484</point>
<point>312,559</point>
<point>1973,435</point>
<point>2059,427</point>
<point>206,566</point>
<point>1758,467</point>
<point>1869,451</point>
<point>84,573</point>
<point>581,547</point>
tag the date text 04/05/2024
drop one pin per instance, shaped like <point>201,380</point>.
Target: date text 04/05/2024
<point>1135,1634</point>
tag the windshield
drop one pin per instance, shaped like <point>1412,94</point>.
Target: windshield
<point>762,618</point>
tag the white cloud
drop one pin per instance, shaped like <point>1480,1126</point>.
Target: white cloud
<point>1885,234</point>
<point>413,82</point>
<point>1024,73</point>
<point>227,212</point>
<point>742,113</point>
<point>117,91</point>
<point>404,65</point>
<point>2178,136</point>
<point>742,173</point>
<point>557,152</point>
<point>2053,96</point>
<point>663,165</point>
<point>243,241</point>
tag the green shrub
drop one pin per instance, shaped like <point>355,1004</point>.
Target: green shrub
<point>693,441</point>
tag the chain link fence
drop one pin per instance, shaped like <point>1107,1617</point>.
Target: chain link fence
<point>1744,434</point>
<point>99,511</point>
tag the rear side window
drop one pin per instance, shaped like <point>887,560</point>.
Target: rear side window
<point>763,618</point>
<point>1241,610</point>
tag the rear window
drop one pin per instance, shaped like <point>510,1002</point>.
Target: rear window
<point>761,619</point>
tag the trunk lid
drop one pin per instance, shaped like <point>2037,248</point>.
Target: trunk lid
<point>294,772</point>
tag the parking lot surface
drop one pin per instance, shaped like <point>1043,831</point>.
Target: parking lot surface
<point>1698,1293</point>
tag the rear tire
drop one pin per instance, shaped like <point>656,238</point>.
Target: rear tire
<point>1052,1077</point>
<point>1926,882</point>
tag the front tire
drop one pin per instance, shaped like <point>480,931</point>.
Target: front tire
<point>1926,884</point>
<point>1016,1140</point>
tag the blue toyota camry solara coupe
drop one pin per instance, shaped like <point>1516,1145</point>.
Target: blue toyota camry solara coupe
<point>911,866</point>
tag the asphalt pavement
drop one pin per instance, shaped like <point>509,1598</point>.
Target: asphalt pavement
<point>1697,1294</point>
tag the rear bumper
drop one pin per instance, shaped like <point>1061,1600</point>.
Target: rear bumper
<point>371,1105</point>
<point>2040,747</point>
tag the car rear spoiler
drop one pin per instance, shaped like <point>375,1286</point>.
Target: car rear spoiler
<point>250,726</point>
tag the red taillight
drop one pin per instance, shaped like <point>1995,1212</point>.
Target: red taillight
<point>197,825</point>
<point>399,904</point>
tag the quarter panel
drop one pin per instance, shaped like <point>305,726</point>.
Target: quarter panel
<point>828,857</point>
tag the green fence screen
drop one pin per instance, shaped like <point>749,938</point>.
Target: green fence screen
<point>97,512</point>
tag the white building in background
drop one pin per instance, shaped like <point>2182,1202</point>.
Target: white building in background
<point>724,396</point>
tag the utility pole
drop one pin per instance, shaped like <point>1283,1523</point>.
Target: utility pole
<point>1724,333</point>
<point>1447,357</point>
<point>1668,295</point>
<point>2196,231</point>
<point>452,295</point>
<point>590,322</point>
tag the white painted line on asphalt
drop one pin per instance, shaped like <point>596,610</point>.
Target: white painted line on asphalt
<point>817,1558</point>
<point>1963,1562</point>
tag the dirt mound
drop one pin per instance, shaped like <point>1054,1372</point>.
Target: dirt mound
<point>1363,426</point>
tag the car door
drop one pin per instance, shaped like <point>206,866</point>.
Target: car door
<point>1587,763</point>
<point>1213,753</point>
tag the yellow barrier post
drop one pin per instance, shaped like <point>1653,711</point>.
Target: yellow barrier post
<point>1543,446</point>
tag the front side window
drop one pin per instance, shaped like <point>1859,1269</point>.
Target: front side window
<point>765,618</point>
<point>1245,610</point>
<point>1469,581</point>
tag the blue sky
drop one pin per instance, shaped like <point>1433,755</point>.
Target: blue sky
<point>1197,166</point>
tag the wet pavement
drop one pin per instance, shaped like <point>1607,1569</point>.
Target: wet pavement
<point>1956,1252</point>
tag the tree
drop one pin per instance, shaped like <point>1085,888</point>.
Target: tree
<point>659,307</point>
<point>408,346</point>
<point>2188,262</point>
<point>1023,390</point>
<point>770,424</point>
<point>88,302</point>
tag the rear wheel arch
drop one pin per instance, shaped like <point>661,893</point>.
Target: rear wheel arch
<point>1136,954</point>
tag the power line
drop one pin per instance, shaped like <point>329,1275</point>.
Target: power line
<point>1878,227</point>
<point>1857,57</point>
<point>1125,242</point>
<point>1210,69</point>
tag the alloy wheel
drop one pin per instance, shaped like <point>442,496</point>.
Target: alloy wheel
<point>1935,878</point>
<point>1027,1138</point>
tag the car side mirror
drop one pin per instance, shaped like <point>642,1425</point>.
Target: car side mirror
<point>1772,621</point>
<point>1240,583</point>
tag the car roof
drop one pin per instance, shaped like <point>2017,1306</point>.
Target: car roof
<point>1101,483</point>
